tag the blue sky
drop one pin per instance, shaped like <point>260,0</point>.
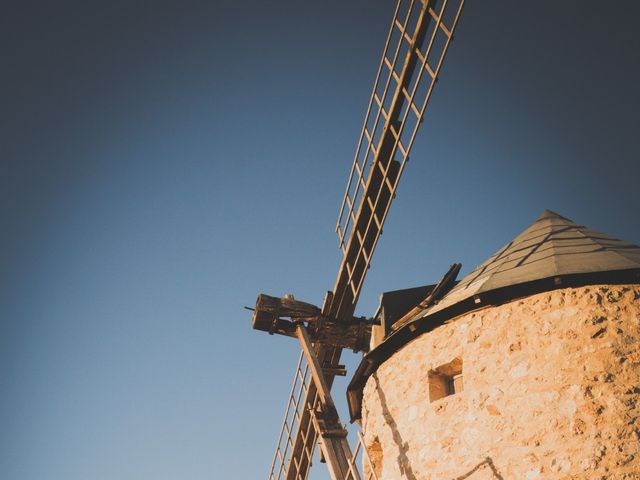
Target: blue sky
<point>163,164</point>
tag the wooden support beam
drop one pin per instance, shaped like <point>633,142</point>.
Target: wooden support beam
<point>353,333</point>
<point>326,422</point>
<point>315,367</point>
<point>338,370</point>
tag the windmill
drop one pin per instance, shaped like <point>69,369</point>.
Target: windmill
<point>416,45</point>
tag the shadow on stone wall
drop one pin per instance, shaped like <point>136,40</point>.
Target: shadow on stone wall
<point>486,462</point>
<point>403,447</point>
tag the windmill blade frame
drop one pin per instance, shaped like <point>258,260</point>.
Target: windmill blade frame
<point>374,174</point>
<point>417,43</point>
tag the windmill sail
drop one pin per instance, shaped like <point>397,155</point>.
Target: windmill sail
<point>416,46</point>
<point>418,40</point>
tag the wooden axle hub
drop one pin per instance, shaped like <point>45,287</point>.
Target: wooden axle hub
<point>281,315</point>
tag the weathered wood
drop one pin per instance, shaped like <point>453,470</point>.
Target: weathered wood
<point>301,451</point>
<point>287,306</point>
<point>338,370</point>
<point>353,333</point>
<point>316,368</point>
<point>443,286</point>
<point>363,241</point>
<point>334,445</point>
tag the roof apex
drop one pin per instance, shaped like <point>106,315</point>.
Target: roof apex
<point>552,246</point>
<point>551,214</point>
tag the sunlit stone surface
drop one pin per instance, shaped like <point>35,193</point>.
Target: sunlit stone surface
<point>550,389</point>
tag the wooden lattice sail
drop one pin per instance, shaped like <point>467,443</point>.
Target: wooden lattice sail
<point>417,43</point>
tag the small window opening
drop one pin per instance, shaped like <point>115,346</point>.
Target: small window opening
<point>445,380</point>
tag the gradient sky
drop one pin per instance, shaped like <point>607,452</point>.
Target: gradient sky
<point>164,162</point>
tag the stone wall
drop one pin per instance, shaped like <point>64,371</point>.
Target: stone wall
<point>550,390</point>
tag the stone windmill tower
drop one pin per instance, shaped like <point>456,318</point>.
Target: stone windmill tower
<point>527,368</point>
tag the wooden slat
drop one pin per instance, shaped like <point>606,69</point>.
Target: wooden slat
<point>349,202</point>
<point>340,235</point>
<point>349,270</point>
<point>430,71</point>
<point>384,113</point>
<point>359,171</point>
<point>375,217</point>
<point>368,135</point>
<point>361,181</point>
<point>403,30</point>
<point>396,135</point>
<point>445,30</point>
<point>389,65</point>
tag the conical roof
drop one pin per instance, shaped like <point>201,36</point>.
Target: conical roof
<point>552,246</point>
